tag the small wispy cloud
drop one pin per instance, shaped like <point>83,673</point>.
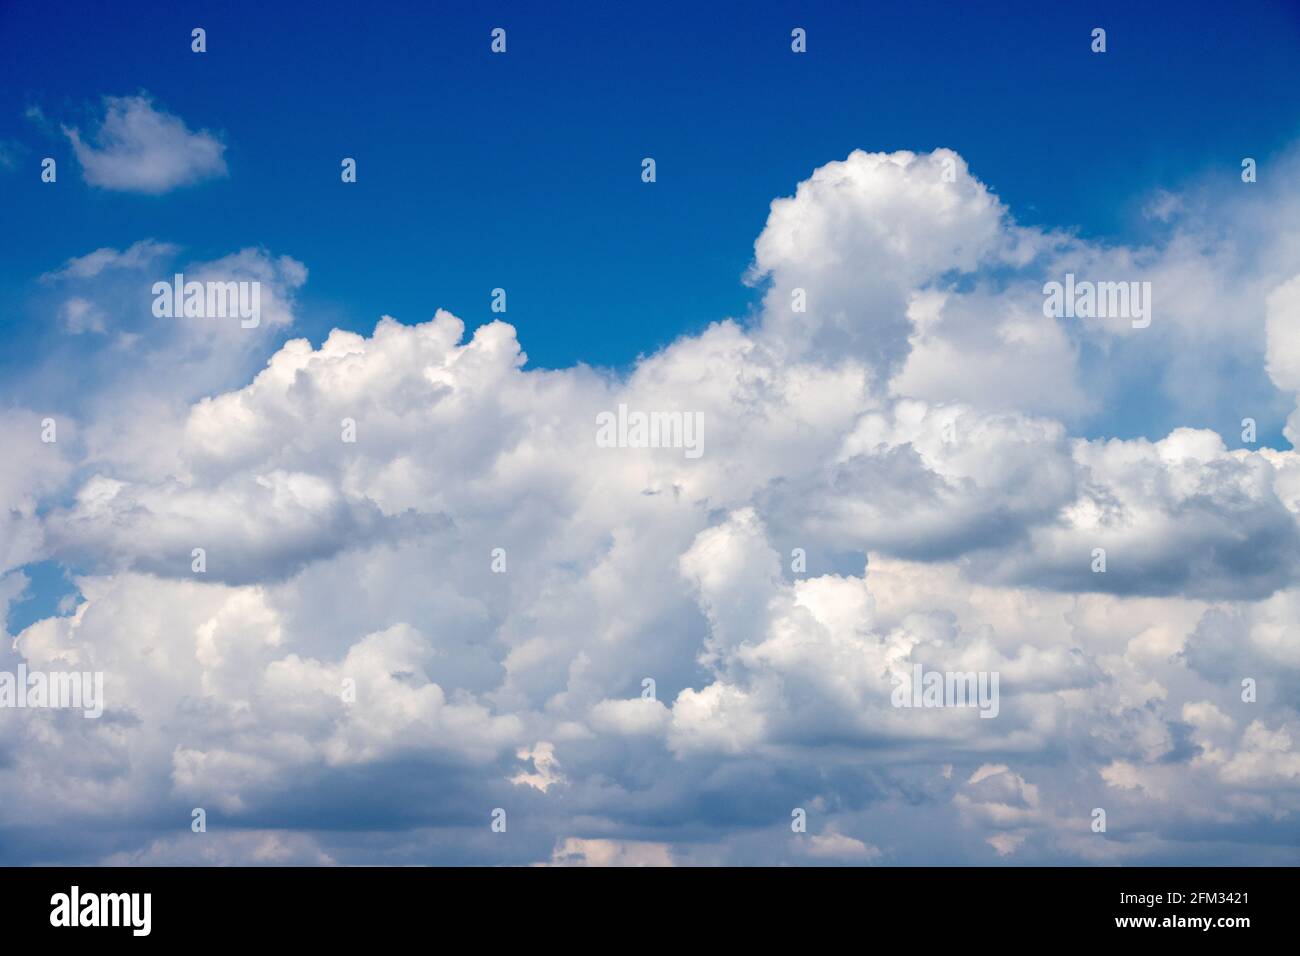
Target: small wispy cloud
<point>80,315</point>
<point>136,256</point>
<point>9,151</point>
<point>138,148</point>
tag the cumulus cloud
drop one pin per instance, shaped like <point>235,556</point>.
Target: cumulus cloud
<point>859,236</point>
<point>33,470</point>
<point>139,148</point>
<point>876,494</point>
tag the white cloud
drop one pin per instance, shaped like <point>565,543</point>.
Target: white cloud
<point>81,315</point>
<point>138,148</point>
<point>947,518</point>
<point>833,845</point>
<point>546,773</point>
<point>137,256</point>
<point>629,717</point>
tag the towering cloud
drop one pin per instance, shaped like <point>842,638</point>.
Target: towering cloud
<point>468,603</point>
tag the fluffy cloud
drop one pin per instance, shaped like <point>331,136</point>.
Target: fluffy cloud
<point>876,493</point>
<point>859,236</point>
<point>34,469</point>
<point>138,148</point>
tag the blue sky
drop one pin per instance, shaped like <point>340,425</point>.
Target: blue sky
<point>523,171</point>
<point>946,456</point>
